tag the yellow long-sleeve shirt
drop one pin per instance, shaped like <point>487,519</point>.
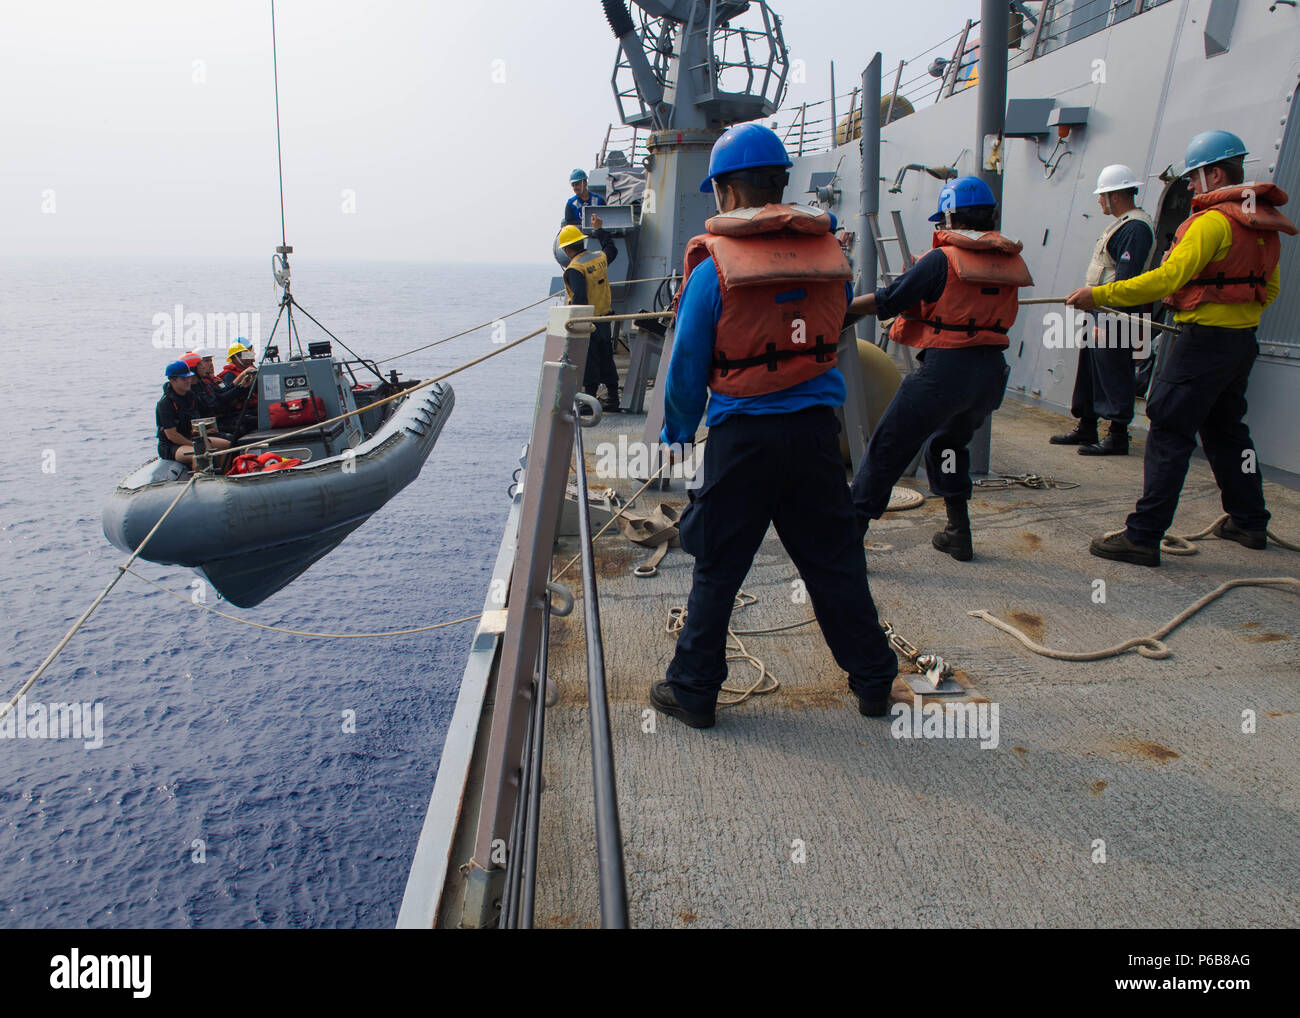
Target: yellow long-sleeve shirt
<point>1206,240</point>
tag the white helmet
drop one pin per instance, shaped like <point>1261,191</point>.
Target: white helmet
<point>1116,177</point>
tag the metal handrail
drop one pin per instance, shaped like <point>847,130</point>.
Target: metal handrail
<point>609,840</point>
<point>533,779</point>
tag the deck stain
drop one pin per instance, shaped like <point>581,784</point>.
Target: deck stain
<point>1033,625</point>
<point>1150,750</point>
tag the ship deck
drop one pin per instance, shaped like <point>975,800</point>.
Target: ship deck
<point>797,811</point>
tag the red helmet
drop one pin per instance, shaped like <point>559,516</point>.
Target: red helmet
<point>192,359</point>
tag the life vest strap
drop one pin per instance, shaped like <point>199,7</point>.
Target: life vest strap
<point>822,350</point>
<point>1220,281</point>
<point>970,328</point>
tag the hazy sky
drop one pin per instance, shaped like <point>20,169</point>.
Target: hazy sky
<point>148,127</point>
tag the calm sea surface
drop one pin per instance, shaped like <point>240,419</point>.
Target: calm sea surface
<point>223,743</point>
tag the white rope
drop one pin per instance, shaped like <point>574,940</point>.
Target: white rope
<point>298,632</point>
<point>1151,646</point>
<point>67,637</point>
<point>766,681</point>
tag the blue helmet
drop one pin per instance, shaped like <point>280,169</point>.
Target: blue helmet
<point>745,147</point>
<point>962,193</point>
<point>179,369</point>
<point>1211,147</point>
<point>577,175</point>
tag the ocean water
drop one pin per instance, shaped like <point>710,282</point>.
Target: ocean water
<point>227,792</point>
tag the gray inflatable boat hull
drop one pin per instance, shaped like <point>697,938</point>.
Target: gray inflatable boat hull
<point>253,535</point>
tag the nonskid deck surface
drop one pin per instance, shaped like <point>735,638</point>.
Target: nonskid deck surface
<point>796,811</point>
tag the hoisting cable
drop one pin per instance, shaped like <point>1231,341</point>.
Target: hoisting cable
<point>294,301</point>
<point>275,74</point>
<point>67,637</point>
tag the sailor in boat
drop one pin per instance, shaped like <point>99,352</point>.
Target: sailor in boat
<point>177,409</point>
<point>764,300</point>
<point>582,197</point>
<point>955,304</point>
<point>586,281</point>
<point>1219,275</point>
<point>240,370</point>
<point>239,360</point>
<point>214,397</point>
<point>1104,384</point>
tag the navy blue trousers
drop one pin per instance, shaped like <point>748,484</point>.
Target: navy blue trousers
<point>945,400</point>
<point>1104,385</point>
<point>786,470</point>
<point>1200,388</point>
<point>599,369</point>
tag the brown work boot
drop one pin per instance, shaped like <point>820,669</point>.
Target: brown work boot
<point>1256,540</point>
<point>1121,549</point>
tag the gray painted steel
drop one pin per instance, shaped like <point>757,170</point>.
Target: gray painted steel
<point>1159,90</point>
<point>252,535</point>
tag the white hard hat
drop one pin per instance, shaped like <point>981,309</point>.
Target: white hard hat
<point>1116,177</point>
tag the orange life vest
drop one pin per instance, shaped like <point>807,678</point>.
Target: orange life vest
<point>978,303</point>
<point>781,274</point>
<point>260,464</point>
<point>1242,274</point>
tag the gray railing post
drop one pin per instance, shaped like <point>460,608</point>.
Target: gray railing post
<point>545,478</point>
<point>856,426</point>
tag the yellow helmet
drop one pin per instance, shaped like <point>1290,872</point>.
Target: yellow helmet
<point>570,235</point>
<point>238,348</point>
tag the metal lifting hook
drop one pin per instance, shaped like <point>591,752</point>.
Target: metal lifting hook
<point>280,266</point>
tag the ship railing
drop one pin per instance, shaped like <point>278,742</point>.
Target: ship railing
<point>631,141</point>
<point>501,874</point>
<point>949,67</point>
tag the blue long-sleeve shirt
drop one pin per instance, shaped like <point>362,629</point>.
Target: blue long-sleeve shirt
<point>574,206</point>
<point>687,390</point>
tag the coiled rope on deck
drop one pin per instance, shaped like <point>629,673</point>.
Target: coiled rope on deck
<point>1171,544</point>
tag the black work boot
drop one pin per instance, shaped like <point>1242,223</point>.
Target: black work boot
<point>610,403</point>
<point>955,539</point>
<point>1084,433</point>
<point>1114,444</point>
<point>584,409</point>
<point>1119,548</point>
<point>877,707</point>
<point>663,700</point>
<point>1229,531</point>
